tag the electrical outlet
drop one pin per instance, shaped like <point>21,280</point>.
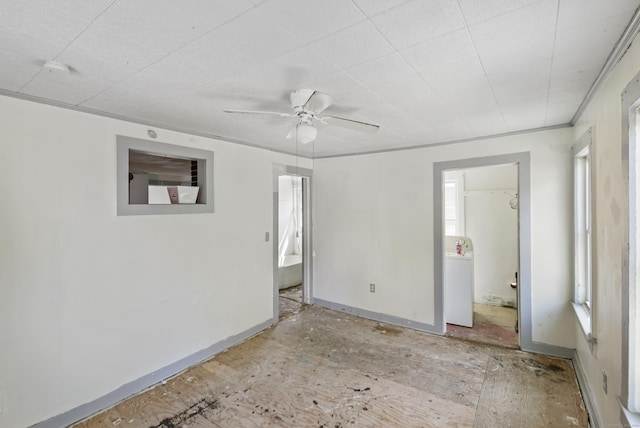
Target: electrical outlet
<point>372,288</point>
<point>604,381</point>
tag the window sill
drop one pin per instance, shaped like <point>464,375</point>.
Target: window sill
<point>629,418</point>
<point>585,323</point>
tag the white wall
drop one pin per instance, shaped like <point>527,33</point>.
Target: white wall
<point>604,115</point>
<point>90,301</point>
<point>492,225</point>
<point>373,223</point>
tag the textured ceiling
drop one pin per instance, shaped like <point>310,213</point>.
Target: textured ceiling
<point>426,71</point>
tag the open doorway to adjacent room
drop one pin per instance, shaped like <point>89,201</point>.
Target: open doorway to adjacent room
<point>292,267</point>
<point>481,254</point>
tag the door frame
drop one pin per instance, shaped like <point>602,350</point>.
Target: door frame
<point>307,259</point>
<point>523,162</point>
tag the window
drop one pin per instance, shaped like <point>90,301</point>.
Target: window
<point>582,232</point>
<point>583,228</point>
<point>159,178</point>
<point>630,370</point>
<point>633,288</point>
<point>454,203</point>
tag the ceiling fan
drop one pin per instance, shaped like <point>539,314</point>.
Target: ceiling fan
<point>307,104</point>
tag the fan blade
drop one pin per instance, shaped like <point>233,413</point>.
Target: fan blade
<point>318,102</point>
<point>292,132</point>
<point>271,113</point>
<point>351,124</point>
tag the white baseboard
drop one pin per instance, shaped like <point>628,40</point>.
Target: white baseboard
<point>85,410</point>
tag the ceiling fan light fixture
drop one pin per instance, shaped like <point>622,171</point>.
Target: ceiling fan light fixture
<point>306,133</point>
<point>306,105</point>
<point>56,67</point>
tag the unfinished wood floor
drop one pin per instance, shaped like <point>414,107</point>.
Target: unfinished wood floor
<point>290,301</point>
<point>491,324</point>
<point>320,368</point>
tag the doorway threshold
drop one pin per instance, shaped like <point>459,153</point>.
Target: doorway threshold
<point>493,325</point>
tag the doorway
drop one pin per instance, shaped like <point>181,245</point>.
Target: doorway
<point>481,254</point>
<point>291,249</point>
<point>523,214</point>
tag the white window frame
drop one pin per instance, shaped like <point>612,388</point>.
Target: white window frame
<point>630,371</point>
<point>583,253</point>
<point>456,179</point>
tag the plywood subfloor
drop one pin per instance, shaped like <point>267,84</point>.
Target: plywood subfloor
<point>292,293</point>
<point>522,390</point>
<point>290,301</point>
<point>320,368</point>
<point>491,324</point>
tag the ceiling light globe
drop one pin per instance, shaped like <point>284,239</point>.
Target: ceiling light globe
<point>306,133</point>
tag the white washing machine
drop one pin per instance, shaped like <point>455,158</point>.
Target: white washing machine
<point>458,283</point>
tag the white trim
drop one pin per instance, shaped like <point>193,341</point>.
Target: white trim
<point>523,160</point>
<point>621,47</point>
<point>307,235</point>
<point>584,314</point>
<point>447,143</point>
<point>587,394</point>
<point>627,417</point>
<point>149,123</point>
<point>197,133</point>
<point>377,316</point>
<point>584,320</point>
<point>631,281</point>
<point>630,104</point>
<point>84,411</point>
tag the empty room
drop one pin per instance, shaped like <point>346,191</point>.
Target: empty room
<point>296,213</point>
